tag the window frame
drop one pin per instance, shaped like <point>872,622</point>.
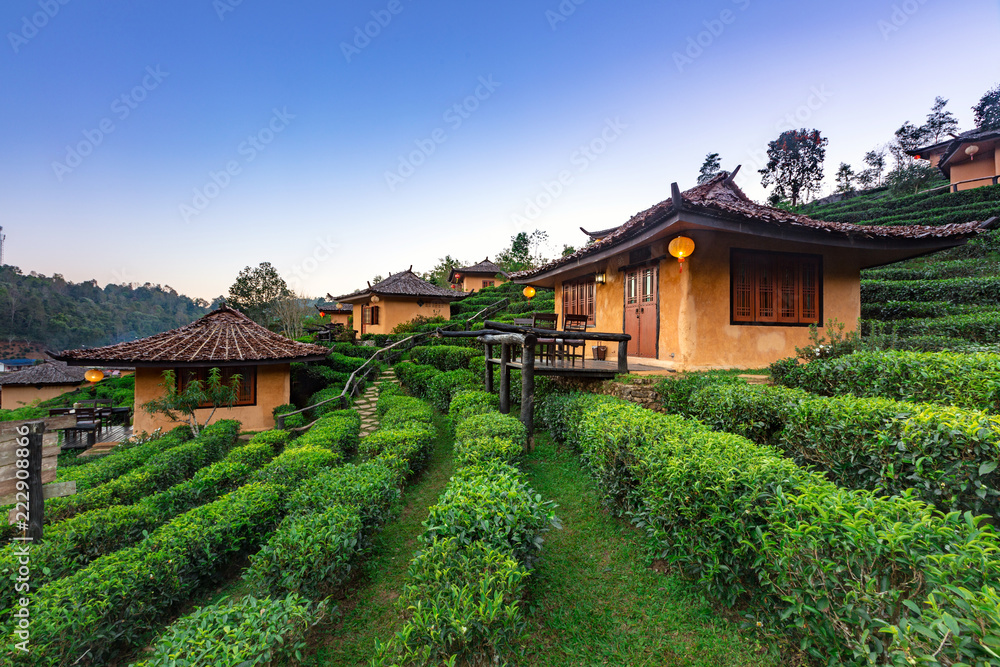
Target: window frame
<point>804,266</point>
<point>369,315</point>
<point>248,377</point>
<point>583,301</point>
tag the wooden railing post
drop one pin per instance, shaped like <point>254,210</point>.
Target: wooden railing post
<point>489,368</point>
<point>623,356</point>
<point>36,494</point>
<point>505,378</point>
<point>528,388</point>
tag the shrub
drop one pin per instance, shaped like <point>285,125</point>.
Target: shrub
<point>390,401</point>
<point>492,424</point>
<point>337,431</point>
<point>123,459</point>
<point>978,291</point>
<point>753,411</point>
<point>401,415</point>
<point>293,421</point>
<point>443,357</point>
<point>416,377</point>
<point>404,449</point>
<point>469,402</point>
<point>369,487</point>
<point>676,392</point>
<point>317,411</point>
<point>344,364</point>
<point>443,386</point>
<point>276,439</point>
<point>243,633</point>
<point>482,450</point>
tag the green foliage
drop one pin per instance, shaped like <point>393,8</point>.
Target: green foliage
<point>795,164</point>
<point>443,357</point>
<point>292,421</point>
<point>676,391</point>
<point>982,327</point>
<point>837,569</point>
<point>336,431</point>
<point>443,386</point>
<point>64,315</point>
<point>238,633</point>
<point>492,424</point>
<point>483,449</point>
<point>157,474</point>
<point>469,402</point>
<point>404,448</point>
<point>122,460</point>
<point>976,291</point>
<point>257,292</point>
<point>987,110</point>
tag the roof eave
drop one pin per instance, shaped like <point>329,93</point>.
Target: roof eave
<point>195,364</point>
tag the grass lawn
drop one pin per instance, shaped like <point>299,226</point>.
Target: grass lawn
<point>370,611</point>
<point>595,601</point>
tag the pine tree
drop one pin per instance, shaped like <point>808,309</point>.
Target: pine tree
<point>987,110</point>
<point>710,168</point>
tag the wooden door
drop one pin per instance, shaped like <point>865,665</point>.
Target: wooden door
<point>642,299</point>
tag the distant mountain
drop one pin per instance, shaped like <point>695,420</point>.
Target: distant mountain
<point>63,315</point>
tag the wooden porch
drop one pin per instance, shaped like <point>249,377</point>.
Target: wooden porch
<point>590,369</point>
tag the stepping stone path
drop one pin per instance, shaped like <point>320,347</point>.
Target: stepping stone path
<point>365,405</point>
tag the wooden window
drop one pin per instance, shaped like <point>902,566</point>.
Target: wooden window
<point>775,288</point>
<point>369,314</point>
<point>579,298</point>
<point>246,391</point>
<point>489,283</point>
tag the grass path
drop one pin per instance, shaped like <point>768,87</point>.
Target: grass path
<point>596,603</point>
<point>370,611</point>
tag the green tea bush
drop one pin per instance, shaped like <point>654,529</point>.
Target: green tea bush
<point>119,598</point>
<point>676,392</point>
<point>416,377</point>
<point>337,431</point>
<point>369,487</point>
<point>344,364</point>
<point>963,380</point>
<point>390,400</point>
<point>405,448</point>
<point>400,415</point>
<point>443,357</point>
<point>122,460</point>
<point>317,411</point>
<point>70,545</point>
<point>754,411</point>
<point>442,387</point>
<point>982,327</point>
<point>492,424</point>
<point>249,632</point>
<point>158,473</point>
<point>293,421</point>
<point>479,450</point>
<point>838,569</point>
<point>977,291</point>
<point>469,402</point>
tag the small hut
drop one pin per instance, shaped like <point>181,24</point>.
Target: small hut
<point>39,382</point>
<point>399,299</point>
<point>477,276</point>
<point>225,339</point>
<point>339,313</point>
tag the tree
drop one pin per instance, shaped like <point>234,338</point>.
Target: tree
<point>196,395</point>
<point>567,250</point>
<point>795,164</point>
<point>291,313</point>
<point>525,251</point>
<point>256,291</point>
<point>845,179</point>
<point>439,274</point>
<point>907,179</point>
<point>987,110</point>
<point>710,168</point>
<point>875,159</point>
<point>940,123</point>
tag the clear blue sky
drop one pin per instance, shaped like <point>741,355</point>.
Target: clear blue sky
<point>177,142</point>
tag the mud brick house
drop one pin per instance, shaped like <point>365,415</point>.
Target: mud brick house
<point>968,160</point>
<point>398,299</point>
<point>477,276</point>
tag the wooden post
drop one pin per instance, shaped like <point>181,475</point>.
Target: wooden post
<point>528,388</point>
<point>489,368</point>
<point>505,378</point>
<point>36,494</point>
<point>623,356</point>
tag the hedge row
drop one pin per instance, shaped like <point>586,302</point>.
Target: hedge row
<point>465,586</point>
<point>122,459</point>
<point>963,380</point>
<point>856,578</point>
<point>957,268</point>
<point>72,544</point>
<point>976,291</point>
<point>982,327</point>
<point>119,598</point>
<point>157,474</point>
<point>901,310</point>
<point>437,386</point>
<point>313,552</point>
<point>947,456</point>
<point>443,357</point>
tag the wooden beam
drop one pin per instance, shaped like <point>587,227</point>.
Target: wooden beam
<point>489,368</point>
<point>623,357</point>
<point>565,335</point>
<point>505,378</point>
<point>56,490</point>
<point>504,338</point>
<point>528,389</point>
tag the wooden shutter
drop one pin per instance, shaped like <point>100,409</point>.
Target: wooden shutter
<point>809,285</point>
<point>765,291</point>
<point>743,287</point>
<point>374,314</point>
<point>786,273</point>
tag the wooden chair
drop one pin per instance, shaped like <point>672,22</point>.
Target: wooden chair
<point>568,348</point>
<point>546,346</point>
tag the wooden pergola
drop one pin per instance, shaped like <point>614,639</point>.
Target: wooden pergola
<point>508,336</point>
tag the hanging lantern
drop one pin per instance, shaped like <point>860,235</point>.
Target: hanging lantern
<point>971,152</point>
<point>375,298</point>
<point>93,376</point>
<point>529,292</point>
<point>681,248</point>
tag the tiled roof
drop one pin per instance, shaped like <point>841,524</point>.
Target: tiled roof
<point>224,335</point>
<point>485,267</point>
<point>405,283</point>
<point>956,144</point>
<point>721,198</point>
<point>51,372</point>
<point>335,307</point>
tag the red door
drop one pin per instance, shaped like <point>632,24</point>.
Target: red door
<point>642,298</point>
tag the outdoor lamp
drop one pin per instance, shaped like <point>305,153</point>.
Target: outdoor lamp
<point>529,292</point>
<point>600,277</point>
<point>681,247</point>
<point>375,298</point>
<point>93,376</point>
<point>971,152</point>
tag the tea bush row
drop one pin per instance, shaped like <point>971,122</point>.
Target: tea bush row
<point>311,555</point>
<point>464,589</point>
<point>976,291</point>
<point>981,327</point>
<point>948,456</point>
<point>854,577</point>
<point>443,357</point>
<point>119,598</point>
<point>963,380</point>
<point>70,545</point>
<point>122,459</point>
